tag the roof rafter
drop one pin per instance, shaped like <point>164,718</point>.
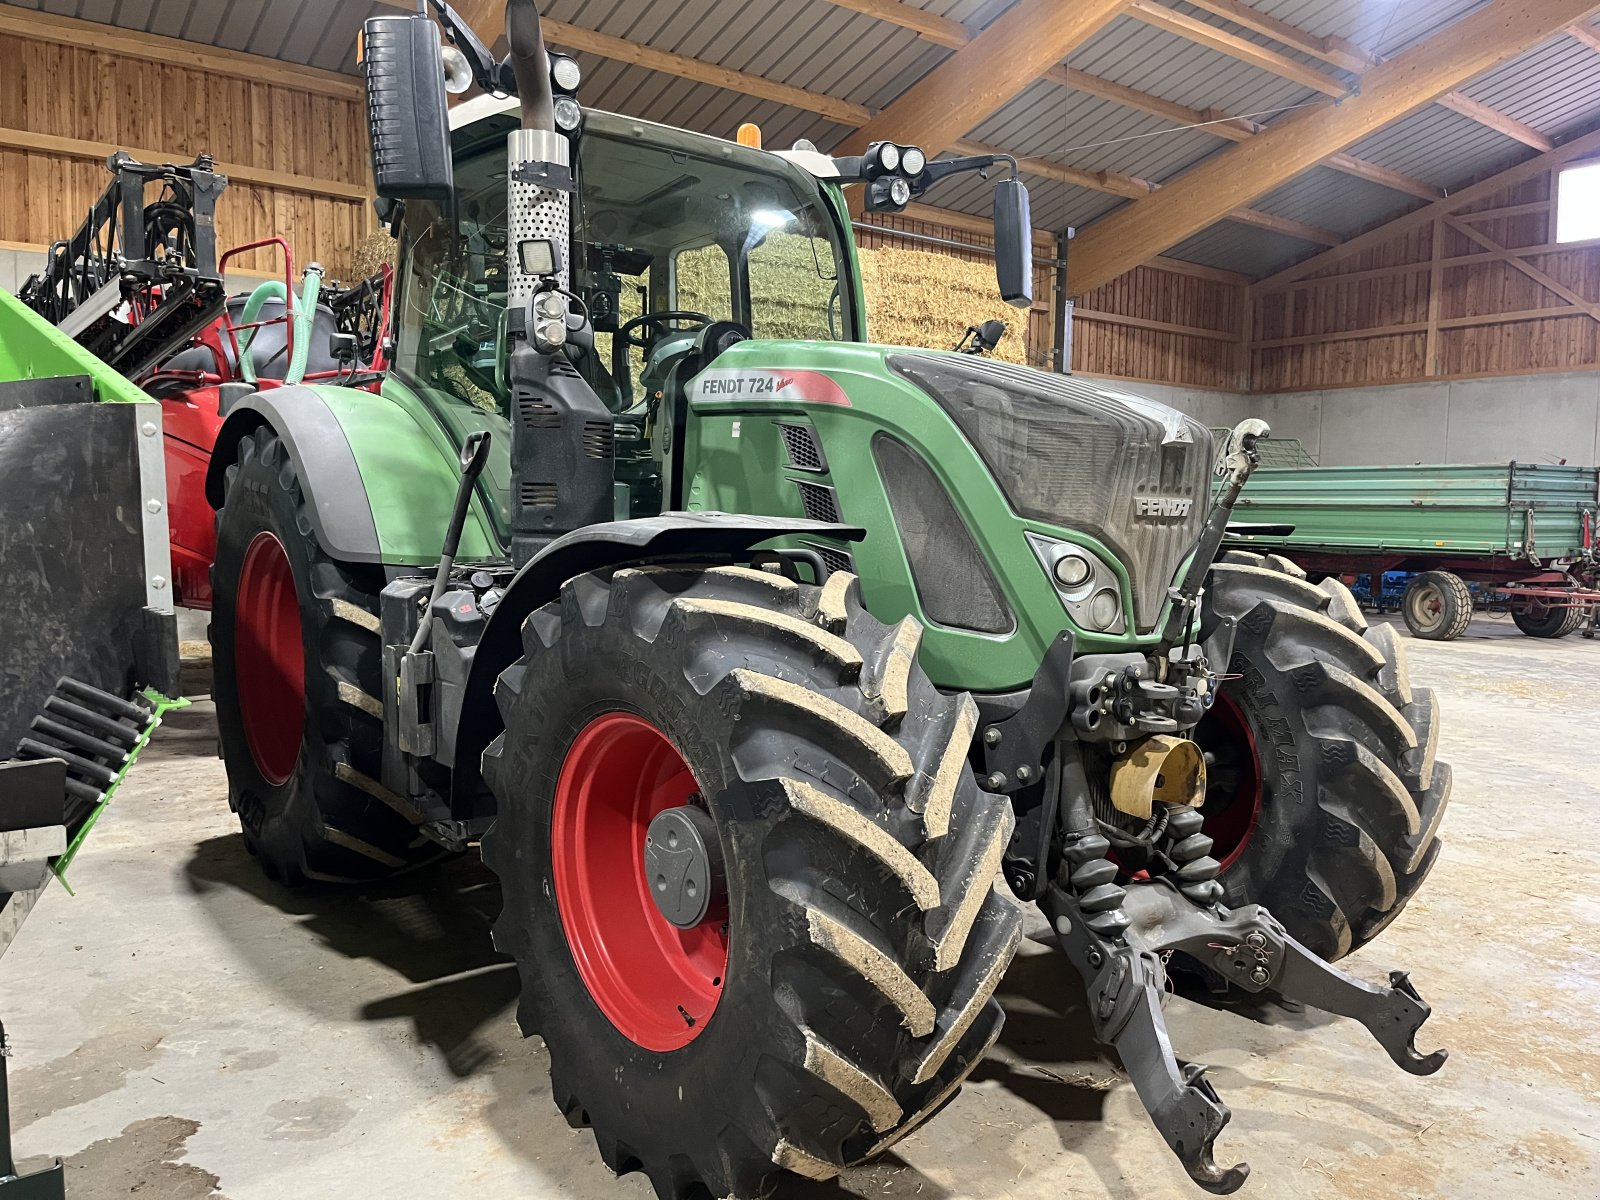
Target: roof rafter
<point>1220,124</point>
<point>977,80</point>
<point>1203,33</point>
<point>1209,192</point>
<point>1578,148</point>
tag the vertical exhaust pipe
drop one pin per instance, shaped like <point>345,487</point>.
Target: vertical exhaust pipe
<point>562,456</point>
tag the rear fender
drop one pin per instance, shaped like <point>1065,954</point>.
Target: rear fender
<point>680,536</point>
<point>378,485</point>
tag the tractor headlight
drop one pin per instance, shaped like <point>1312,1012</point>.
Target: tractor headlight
<point>1104,609</point>
<point>1090,590</point>
<point>889,156</point>
<point>565,73</point>
<point>913,161</point>
<point>568,114</point>
<point>1072,570</point>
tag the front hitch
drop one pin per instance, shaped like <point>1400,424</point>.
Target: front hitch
<point>1120,937</point>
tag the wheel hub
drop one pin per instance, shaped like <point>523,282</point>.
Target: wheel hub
<point>269,658</point>
<point>652,958</point>
<point>683,864</point>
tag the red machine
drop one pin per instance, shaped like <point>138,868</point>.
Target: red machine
<point>348,344</point>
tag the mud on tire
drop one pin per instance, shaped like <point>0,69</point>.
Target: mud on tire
<point>866,939</point>
<point>1351,792</point>
<point>330,820</point>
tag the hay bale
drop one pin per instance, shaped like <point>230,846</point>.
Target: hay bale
<point>916,298</point>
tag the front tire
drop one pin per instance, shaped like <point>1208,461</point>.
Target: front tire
<point>1326,794</point>
<point>841,987</point>
<point>297,672</point>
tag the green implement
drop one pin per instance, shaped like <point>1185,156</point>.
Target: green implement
<point>1516,512</point>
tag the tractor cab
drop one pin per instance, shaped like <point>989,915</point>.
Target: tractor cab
<point>683,245</point>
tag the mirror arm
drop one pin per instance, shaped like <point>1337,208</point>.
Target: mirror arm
<point>486,72</point>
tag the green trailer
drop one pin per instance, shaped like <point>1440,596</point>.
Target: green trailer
<point>1522,532</point>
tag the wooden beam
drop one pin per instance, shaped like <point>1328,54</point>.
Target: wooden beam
<point>571,37</point>
<point>1228,181</point>
<point>1373,173</point>
<point>1203,33</point>
<point>974,82</point>
<point>1199,270</point>
<point>941,31</point>
<point>1113,182</point>
<point>1542,278</point>
<point>1233,128</point>
<point>1211,335</point>
<point>1335,51</point>
<point>1586,34</point>
<point>962,222</point>
<point>64,147</point>
<point>148,47</point>
<point>1478,192</point>
<point>1286,226</point>
<point>1474,110</point>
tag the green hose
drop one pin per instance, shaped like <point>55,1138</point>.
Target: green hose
<point>304,318</point>
<point>304,310</point>
<point>272,289</point>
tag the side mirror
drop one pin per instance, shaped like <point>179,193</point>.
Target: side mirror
<point>990,333</point>
<point>1013,243</point>
<point>407,108</point>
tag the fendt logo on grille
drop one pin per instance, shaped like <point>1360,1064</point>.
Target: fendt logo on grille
<point>1155,507</point>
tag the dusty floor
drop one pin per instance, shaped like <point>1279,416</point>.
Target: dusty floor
<point>184,1029</point>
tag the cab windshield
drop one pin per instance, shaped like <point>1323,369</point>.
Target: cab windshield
<point>693,229</point>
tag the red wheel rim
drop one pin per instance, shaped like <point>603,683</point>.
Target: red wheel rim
<point>269,658</point>
<point>656,983</point>
<point>1231,815</point>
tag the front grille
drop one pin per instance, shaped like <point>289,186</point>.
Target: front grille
<point>952,578</point>
<point>805,453</point>
<point>819,501</point>
<point>1083,457</point>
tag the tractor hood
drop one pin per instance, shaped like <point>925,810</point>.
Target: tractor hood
<point>1072,453</point>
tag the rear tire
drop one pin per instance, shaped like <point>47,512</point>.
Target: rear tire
<point>303,767</point>
<point>1437,606</point>
<point>866,938</point>
<point>1539,621</point>
<point>1332,753</point>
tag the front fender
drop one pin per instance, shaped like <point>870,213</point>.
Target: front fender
<point>378,483</point>
<point>679,536</point>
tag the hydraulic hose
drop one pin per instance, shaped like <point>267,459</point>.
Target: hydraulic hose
<point>305,315</point>
<point>272,289</point>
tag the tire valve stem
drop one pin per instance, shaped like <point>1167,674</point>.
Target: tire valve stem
<point>687,1019</point>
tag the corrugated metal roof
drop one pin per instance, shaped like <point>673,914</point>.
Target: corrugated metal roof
<point>1333,200</point>
<point>816,45</point>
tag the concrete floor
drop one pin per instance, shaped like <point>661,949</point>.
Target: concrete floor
<point>184,1029</point>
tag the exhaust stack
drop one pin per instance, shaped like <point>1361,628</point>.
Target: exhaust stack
<point>561,433</point>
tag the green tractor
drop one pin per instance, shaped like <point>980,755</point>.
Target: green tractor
<point>753,654</point>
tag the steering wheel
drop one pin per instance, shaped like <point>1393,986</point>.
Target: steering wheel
<point>627,333</point>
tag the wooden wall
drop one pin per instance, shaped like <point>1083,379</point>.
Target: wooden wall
<point>1167,323</point>
<point>292,141</point>
<point>1473,291</point>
